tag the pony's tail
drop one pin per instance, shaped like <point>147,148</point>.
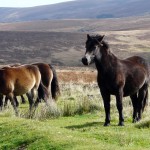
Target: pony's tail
<point>145,101</point>
<point>42,92</point>
<point>55,90</point>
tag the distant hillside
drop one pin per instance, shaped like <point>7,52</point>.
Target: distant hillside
<point>78,25</point>
<point>78,9</point>
<point>67,49</point>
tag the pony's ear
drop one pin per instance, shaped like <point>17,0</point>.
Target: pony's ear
<point>101,38</point>
<point>88,37</point>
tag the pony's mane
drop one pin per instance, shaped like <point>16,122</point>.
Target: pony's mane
<point>105,44</point>
<point>97,37</point>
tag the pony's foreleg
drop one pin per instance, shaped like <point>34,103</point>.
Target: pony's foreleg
<point>106,100</point>
<point>6,101</point>
<point>13,102</point>
<point>1,102</point>
<point>119,98</point>
<point>23,99</point>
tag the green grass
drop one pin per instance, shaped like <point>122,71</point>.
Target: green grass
<point>83,128</point>
<point>77,133</point>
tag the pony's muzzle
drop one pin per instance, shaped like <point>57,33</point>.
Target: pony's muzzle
<point>85,61</point>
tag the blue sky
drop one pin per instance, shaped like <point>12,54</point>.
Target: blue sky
<point>28,3</point>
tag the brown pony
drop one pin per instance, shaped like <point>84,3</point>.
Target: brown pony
<point>15,81</point>
<point>49,80</point>
<point>127,77</point>
<point>6,98</point>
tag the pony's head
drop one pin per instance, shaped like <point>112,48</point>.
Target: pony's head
<point>92,46</point>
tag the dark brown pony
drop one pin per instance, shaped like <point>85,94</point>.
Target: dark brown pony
<point>15,81</point>
<point>127,77</point>
<point>49,80</point>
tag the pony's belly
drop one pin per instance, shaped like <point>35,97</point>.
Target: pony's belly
<point>23,86</point>
<point>132,88</point>
<point>21,91</point>
<point>128,92</point>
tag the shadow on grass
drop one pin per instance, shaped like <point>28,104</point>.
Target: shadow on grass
<point>86,125</point>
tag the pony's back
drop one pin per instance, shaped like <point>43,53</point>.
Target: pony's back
<point>19,80</point>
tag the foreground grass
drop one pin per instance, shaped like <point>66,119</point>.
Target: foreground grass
<point>78,132</point>
<point>81,129</point>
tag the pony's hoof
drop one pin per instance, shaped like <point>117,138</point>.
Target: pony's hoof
<point>106,124</point>
<point>121,124</point>
<point>138,119</point>
<point>134,121</point>
<point>17,114</point>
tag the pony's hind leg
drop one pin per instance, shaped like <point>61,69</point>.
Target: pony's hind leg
<point>43,93</point>
<point>145,101</point>
<point>142,100</point>
<point>17,103</point>
<point>134,100</point>
<point>32,101</point>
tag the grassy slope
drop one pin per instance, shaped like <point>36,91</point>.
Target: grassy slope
<point>79,132</point>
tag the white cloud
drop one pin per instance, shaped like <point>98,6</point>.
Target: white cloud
<point>28,3</point>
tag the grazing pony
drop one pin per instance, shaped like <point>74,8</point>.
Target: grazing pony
<point>127,77</point>
<point>25,79</point>
<point>49,80</point>
<point>6,98</point>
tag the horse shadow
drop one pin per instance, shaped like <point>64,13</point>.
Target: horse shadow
<point>85,125</point>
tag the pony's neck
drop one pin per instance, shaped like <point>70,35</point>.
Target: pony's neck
<point>106,60</point>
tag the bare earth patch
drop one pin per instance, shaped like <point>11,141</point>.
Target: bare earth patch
<point>77,75</point>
